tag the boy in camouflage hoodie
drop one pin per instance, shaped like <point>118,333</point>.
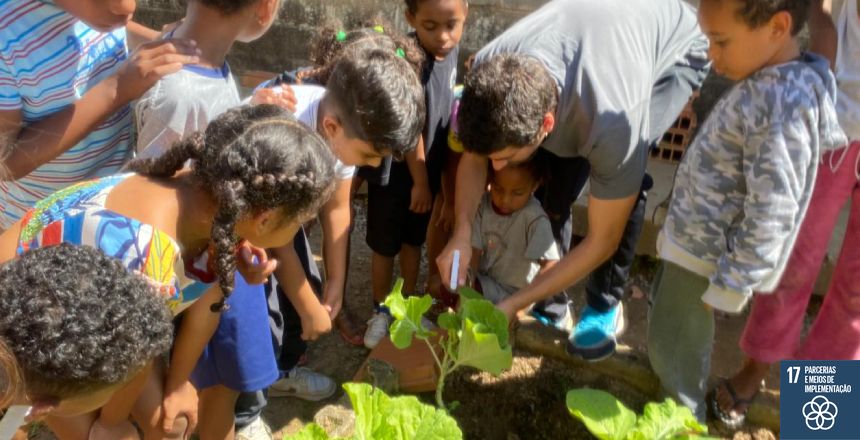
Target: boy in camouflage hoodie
<point>743,187</point>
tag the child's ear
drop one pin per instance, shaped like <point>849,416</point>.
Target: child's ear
<point>331,126</point>
<point>265,221</point>
<point>781,24</point>
<point>548,122</point>
<point>267,10</point>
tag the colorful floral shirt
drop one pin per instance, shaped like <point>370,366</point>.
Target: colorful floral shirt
<point>78,215</point>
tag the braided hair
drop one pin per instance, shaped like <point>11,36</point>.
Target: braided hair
<point>252,159</point>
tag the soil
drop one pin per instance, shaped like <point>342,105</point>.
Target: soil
<point>526,402</point>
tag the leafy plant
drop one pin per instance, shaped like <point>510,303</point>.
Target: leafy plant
<point>475,336</point>
<point>609,419</point>
<point>381,417</point>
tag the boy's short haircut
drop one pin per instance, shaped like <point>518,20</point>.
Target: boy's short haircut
<point>227,7</point>
<point>537,168</point>
<point>388,108</point>
<point>757,12</point>
<point>504,102</point>
<point>73,321</point>
<point>412,5</point>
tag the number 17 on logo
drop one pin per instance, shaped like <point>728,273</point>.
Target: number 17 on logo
<point>793,374</point>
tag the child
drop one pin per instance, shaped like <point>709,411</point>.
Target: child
<point>175,107</point>
<point>744,185</point>
<point>398,213</point>
<point>65,85</point>
<point>362,125</point>
<point>56,354</point>
<point>773,328</point>
<point>256,174</point>
<point>511,235</point>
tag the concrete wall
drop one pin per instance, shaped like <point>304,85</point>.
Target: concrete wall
<point>285,45</point>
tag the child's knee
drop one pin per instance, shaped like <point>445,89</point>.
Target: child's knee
<point>122,430</point>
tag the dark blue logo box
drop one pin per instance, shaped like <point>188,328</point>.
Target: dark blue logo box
<point>819,400</point>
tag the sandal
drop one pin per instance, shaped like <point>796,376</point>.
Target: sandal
<point>731,421</point>
<point>348,331</point>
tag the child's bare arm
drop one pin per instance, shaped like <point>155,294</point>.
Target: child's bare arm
<point>25,148</point>
<point>422,199</point>
<point>335,220</point>
<point>198,326</point>
<point>546,265</point>
<point>293,281</point>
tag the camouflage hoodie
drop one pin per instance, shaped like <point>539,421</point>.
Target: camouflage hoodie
<point>742,190</point>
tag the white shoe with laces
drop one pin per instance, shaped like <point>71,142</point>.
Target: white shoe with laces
<point>305,384</point>
<point>377,328</point>
<point>256,430</point>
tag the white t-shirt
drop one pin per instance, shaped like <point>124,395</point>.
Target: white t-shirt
<point>848,67</point>
<point>307,110</point>
<point>180,104</point>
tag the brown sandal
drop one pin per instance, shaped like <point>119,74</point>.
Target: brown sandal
<point>348,331</point>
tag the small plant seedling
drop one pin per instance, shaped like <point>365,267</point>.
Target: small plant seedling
<point>379,416</point>
<point>476,335</point>
<point>609,419</point>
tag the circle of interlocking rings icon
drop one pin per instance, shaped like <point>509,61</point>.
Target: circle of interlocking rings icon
<point>820,413</point>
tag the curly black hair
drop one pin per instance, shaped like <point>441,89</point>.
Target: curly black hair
<point>504,102</point>
<point>757,12</point>
<point>328,44</point>
<point>387,110</point>
<point>252,159</point>
<point>73,321</point>
<point>537,168</point>
<point>227,7</point>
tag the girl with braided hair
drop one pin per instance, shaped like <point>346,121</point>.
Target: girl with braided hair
<point>255,174</point>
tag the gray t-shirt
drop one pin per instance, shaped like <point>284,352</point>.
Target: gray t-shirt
<point>180,104</point>
<point>512,245</point>
<point>606,56</point>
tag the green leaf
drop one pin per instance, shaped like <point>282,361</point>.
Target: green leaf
<point>481,348</point>
<point>380,417</point>
<point>469,293</point>
<point>667,420</point>
<point>370,406</point>
<point>310,432</point>
<point>491,319</point>
<point>604,415</point>
<point>407,313</point>
<point>449,321</point>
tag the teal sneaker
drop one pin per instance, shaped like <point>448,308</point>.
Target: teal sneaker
<point>596,334</point>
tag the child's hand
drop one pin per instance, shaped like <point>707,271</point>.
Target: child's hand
<point>422,199</point>
<point>281,96</point>
<point>333,299</point>
<point>508,309</point>
<point>178,403</point>
<point>316,323</point>
<point>254,271</point>
<point>151,62</point>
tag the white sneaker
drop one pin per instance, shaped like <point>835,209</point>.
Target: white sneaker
<point>305,384</point>
<point>256,430</point>
<point>377,328</point>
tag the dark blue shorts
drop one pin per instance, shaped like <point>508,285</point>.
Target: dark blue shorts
<point>240,355</point>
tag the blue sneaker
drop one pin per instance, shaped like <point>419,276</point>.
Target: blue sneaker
<point>564,324</point>
<point>596,333</point>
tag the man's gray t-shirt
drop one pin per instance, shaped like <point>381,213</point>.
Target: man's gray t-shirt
<point>606,56</point>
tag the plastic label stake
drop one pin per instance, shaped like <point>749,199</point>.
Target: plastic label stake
<point>14,418</point>
<point>455,271</point>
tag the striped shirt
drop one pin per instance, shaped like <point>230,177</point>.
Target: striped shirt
<point>48,60</point>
